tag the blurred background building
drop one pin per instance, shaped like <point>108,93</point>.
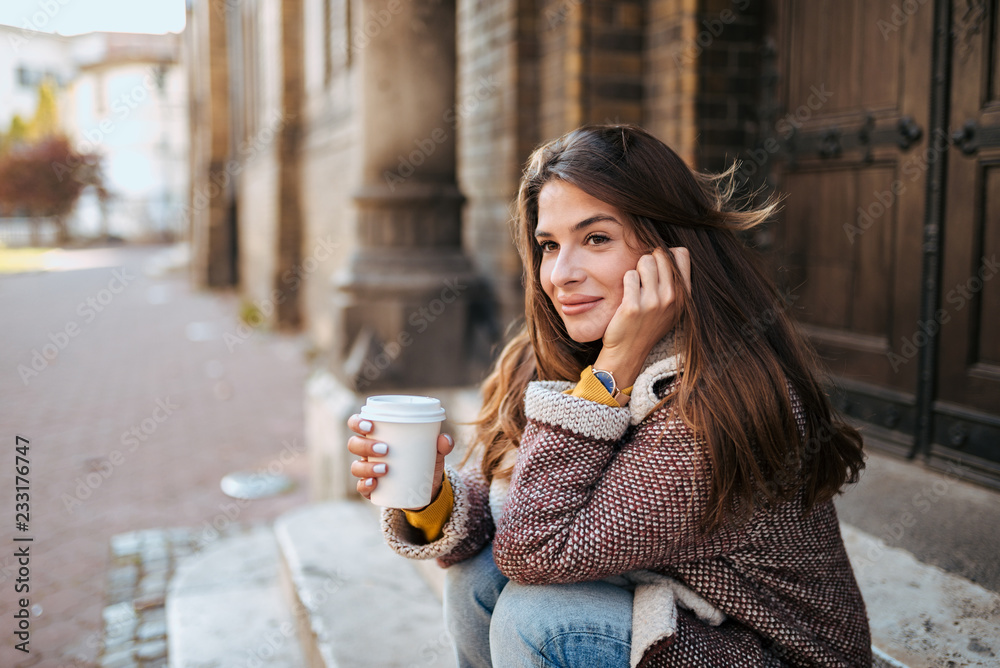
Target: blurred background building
<point>342,172</point>
<point>351,160</point>
<point>121,96</point>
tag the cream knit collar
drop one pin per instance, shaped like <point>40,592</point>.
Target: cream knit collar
<point>665,360</point>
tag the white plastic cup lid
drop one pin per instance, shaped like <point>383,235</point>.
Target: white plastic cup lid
<point>403,408</point>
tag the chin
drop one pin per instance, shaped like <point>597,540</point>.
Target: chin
<point>586,334</point>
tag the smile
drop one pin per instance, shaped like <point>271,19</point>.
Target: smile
<point>577,309</point>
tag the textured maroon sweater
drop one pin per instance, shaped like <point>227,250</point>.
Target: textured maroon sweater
<point>600,491</point>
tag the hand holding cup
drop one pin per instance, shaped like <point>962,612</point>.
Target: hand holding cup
<point>402,453</point>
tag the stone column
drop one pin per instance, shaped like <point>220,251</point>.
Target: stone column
<point>404,300</point>
<point>211,225</point>
<point>406,303</point>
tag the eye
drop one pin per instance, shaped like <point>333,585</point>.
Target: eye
<point>597,238</point>
<point>548,246</point>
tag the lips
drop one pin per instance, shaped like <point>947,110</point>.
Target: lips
<point>575,305</point>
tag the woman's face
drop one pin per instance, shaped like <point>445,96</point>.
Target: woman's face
<point>586,248</point>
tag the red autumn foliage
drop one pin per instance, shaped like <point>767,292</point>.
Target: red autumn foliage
<point>46,178</point>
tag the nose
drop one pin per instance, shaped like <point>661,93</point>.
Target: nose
<point>568,268</point>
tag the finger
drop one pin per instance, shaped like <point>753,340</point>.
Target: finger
<point>363,470</point>
<point>630,293</point>
<point>445,444</point>
<point>366,487</point>
<point>366,447</point>
<point>652,281</point>
<point>647,268</point>
<point>359,426</point>
<point>666,291</point>
<point>682,256</point>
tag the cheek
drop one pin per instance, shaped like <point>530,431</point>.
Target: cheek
<point>544,277</point>
<point>613,283</point>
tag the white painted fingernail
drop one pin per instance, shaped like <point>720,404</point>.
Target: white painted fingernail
<point>450,439</point>
<point>365,426</point>
<point>380,448</point>
<point>379,468</point>
<point>369,482</point>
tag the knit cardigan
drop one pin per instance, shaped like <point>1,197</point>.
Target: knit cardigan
<point>603,492</point>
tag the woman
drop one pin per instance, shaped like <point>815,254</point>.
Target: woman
<point>655,458</point>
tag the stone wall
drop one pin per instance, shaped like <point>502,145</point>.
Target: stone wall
<point>670,64</point>
<point>526,71</point>
<point>729,47</point>
<point>497,128</point>
<point>208,211</point>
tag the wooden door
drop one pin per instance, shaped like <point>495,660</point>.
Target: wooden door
<point>967,401</point>
<point>852,124</point>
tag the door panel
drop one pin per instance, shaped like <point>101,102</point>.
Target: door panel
<point>854,96</point>
<point>967,406</point>
<point>854,168</point>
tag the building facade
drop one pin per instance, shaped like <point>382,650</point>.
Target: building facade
<point>121,95</point>
<point>366,154</point>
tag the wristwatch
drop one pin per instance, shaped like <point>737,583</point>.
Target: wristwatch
<point>608,381</point>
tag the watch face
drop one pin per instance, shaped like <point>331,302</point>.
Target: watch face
<point>607,380</point>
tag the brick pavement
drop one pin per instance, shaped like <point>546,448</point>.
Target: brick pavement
<point>199,411</point>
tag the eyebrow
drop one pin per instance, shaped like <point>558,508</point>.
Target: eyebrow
<point>586,222</point>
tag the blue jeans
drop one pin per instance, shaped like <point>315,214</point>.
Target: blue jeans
<point>493,621</point>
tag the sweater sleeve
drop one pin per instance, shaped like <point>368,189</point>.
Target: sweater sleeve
<point>593,389</point>
<point>431,520</point>
<point>590,498</point>
<point>467,530</point>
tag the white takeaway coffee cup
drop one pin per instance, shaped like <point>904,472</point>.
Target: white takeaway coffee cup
<point>409,425</point>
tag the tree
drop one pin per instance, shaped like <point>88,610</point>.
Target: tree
<point>45,122</point>
<point>17,134</point>
<point>45,179</point>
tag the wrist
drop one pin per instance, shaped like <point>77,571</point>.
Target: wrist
<point>624,371</point>
<point>435,495</point>
<point>610,384</point>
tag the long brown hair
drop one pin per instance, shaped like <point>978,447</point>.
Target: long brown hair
<point>734,397</point>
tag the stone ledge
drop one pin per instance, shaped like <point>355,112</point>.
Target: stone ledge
<point>225,608</point>
<point>352,589</point>
<point>922,616</point>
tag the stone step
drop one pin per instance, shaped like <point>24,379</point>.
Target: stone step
<point>226,608</point>
<point>323,590</point>
<point>922,616</point>
<point>361,604</point>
